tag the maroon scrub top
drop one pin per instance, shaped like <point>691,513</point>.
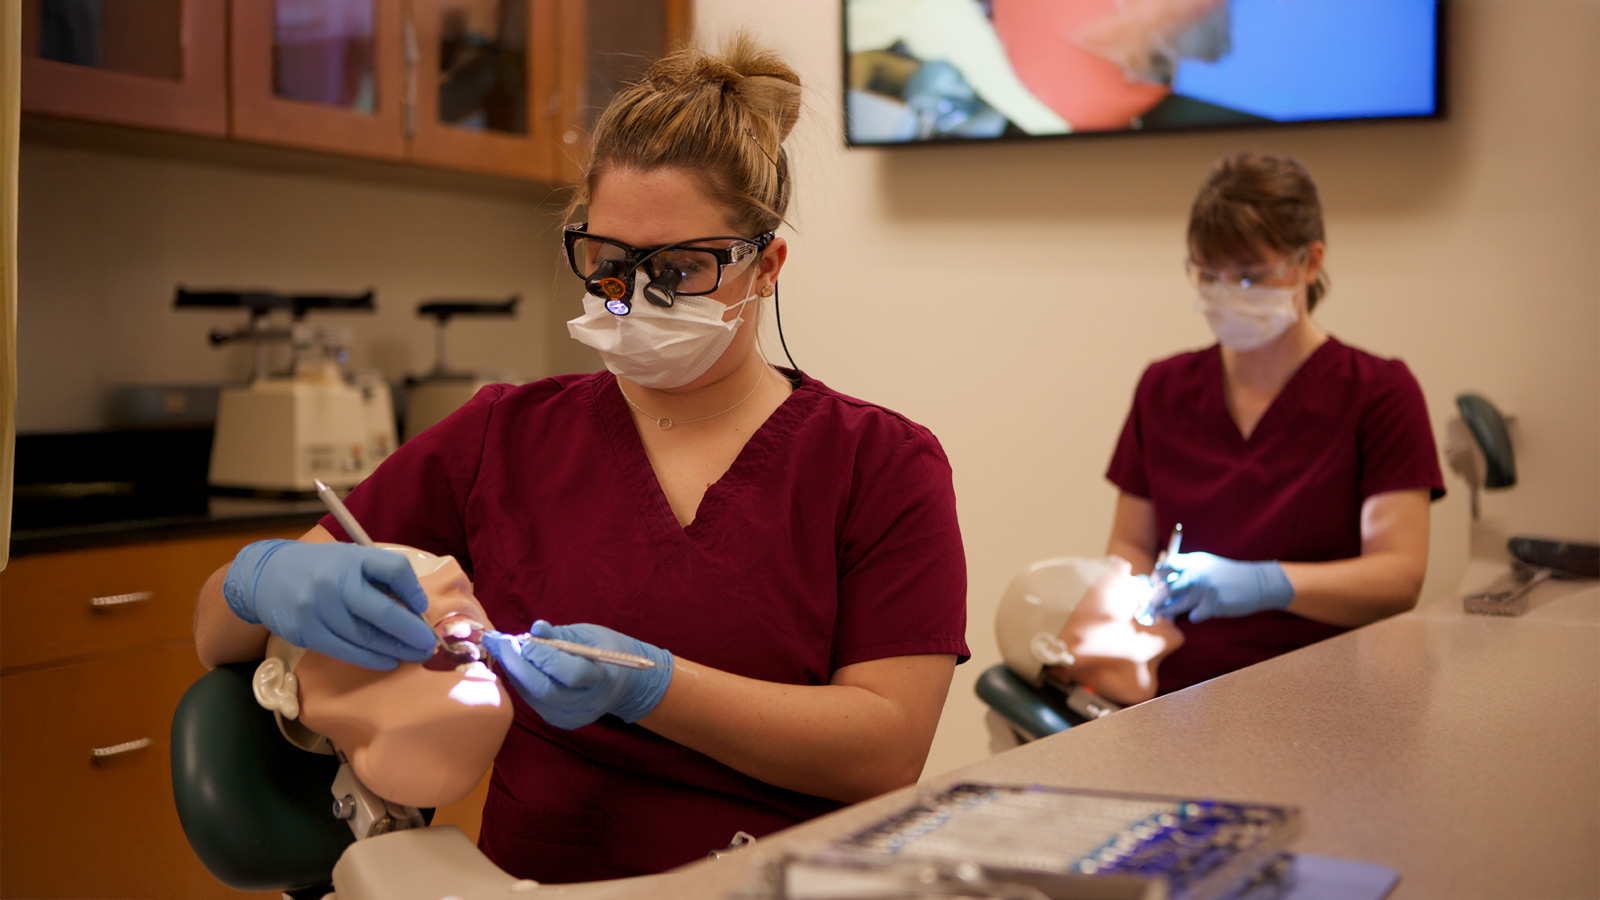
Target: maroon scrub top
<point>831,540</point>
<point>1346,426</point>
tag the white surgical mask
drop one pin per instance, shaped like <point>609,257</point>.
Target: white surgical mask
<point>1246,318</point>
<point>654,347</point>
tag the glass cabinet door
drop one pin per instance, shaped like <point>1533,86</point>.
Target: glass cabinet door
<point>147,63</point>
<point>606,44</point>
<point>480,67</point>
<point>319,74</point>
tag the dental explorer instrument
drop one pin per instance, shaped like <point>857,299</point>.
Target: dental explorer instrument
<point>598,654</point>
<point>1158,593</point>
<point>615,657</point>
<point>342,513</point>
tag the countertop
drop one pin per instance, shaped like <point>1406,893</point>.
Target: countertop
<point>211,515</point>
<point>1461,751</point>
<point>94,489</point>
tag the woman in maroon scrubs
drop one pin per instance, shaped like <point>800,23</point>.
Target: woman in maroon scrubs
<point>1300,468</point>
<point>788,556</point>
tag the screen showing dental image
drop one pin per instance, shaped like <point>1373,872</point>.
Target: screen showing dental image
<point>946,70</point>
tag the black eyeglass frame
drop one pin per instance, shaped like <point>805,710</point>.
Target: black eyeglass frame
<point>634,257</point>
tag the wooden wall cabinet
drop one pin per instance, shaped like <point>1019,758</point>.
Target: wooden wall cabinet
<point>502,87</point>
<point>151,63</point>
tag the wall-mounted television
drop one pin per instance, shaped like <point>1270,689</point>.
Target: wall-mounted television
<point>921,71</point>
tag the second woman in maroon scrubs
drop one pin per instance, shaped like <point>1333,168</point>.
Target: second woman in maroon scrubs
<point>1300,468</point>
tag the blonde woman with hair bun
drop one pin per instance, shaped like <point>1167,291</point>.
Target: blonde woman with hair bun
<point>787,556</point>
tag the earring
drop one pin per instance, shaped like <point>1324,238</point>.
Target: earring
<point>766,290</point>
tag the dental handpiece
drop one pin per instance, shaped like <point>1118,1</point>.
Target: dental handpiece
<point>1158,592</point>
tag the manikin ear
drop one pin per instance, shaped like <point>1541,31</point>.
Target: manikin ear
<point>276,688</point>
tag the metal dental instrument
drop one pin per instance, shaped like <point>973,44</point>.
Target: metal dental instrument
<point>342,513</point>
<point>613,657</point>
<point>347,521</point>
<point>1158,593</point>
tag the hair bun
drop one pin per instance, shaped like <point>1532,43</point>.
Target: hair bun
<point>758,77</point>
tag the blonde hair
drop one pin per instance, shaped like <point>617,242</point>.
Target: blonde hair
<point>721,118</point>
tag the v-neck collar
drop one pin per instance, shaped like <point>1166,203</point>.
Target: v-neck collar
<point>628,453</point>
<point>1286,398</point>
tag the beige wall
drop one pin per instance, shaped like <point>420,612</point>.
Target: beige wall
<point>1005,296</point>
<point>1008,296</point>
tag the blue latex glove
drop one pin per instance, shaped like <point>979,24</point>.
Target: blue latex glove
<point>1208,586</point>
<point>570,691</point>
<point>358,604</point>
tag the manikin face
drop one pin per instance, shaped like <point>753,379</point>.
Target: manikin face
<point>1113,654</point>
<point>421,734</point>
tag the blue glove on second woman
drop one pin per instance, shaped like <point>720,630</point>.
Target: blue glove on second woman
<point>1208,586</point>
<point>359,604</point>
<point>569,691</point>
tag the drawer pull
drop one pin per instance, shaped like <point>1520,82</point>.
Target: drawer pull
<point>119,749</point>
<point>121,599</point>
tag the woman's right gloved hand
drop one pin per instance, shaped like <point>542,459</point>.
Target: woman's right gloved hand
<point>359,604</point>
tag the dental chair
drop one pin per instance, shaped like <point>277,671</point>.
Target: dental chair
<point>1025,702</point>
<point>263,814</point>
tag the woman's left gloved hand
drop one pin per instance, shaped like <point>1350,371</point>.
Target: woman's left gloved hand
<point>1208,586</point>
<point>570,691</point>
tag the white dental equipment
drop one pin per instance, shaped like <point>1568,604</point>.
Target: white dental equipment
<point>430,398</point>
<point>278,431</point>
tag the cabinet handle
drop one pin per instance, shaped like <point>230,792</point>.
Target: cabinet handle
<point>99,753</point>
<point>121,599</point>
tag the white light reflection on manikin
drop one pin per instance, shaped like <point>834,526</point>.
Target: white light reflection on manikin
<point>422,734</point>
<point>1113,654</point>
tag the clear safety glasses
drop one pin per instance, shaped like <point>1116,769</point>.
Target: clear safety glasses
<point>688,267</point>
<point>1243,276</point>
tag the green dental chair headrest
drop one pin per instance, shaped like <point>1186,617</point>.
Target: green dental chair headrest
<point>256,809</point>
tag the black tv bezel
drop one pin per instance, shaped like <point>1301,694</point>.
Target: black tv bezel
<point>1441,95</point>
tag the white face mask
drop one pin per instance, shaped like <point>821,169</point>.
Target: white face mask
<point>1247,318</point>
<point>659,348</point>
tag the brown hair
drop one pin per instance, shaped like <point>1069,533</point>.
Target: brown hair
<point>1253,202</point>
<point>721,118</point>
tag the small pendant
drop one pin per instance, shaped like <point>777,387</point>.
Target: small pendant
<point>664,423</point>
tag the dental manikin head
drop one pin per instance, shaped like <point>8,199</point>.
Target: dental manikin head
<point>1073,618</point>
<point>419,735</point>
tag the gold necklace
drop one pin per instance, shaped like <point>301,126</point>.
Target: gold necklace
<point>665,422</point>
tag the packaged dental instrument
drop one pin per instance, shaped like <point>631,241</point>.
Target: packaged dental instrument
<point>1045,843</point>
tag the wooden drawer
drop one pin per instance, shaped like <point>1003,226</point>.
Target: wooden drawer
<point>75,827</point>
<point>78,603</point>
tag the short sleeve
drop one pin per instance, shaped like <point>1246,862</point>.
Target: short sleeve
<point>1396,440</point>
<point>1127,470</point>
<point>902,567</point>
<point>417,495</point>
